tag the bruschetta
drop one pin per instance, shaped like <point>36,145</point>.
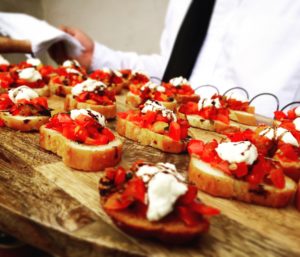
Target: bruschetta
<point>112,78</point>
<point>154,201</point>
<point>134,78</point>
<point>236,170</point>
<point>94,95</point>
<point>154,125</point>
<point>22,109</point>
<point>138,95</point>
<point>66,76</point>
<point>182,90</point>
<point>82,140</point>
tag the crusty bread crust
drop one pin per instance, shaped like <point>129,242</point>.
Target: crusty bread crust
<point>181,99</point>
<point>23,123</point>
<point>133,101</point>
<point>79,156</point>
<point>109,111</point>
<point>298,197</point>
<point>291,169</point>
<point>169,230</point>
<point>243,117</point>
<point>118,88</point>
<point>217,183</point>
<point>59,89</point>
<point>147,137</point>
<point>43,91</point>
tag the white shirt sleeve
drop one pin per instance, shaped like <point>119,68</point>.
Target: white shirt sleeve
<point>106,57</point>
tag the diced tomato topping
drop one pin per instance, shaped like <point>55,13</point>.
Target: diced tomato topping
<point>5,102</point>
<point>189,196</point>
<point>277,177</point>
<point>188,216</point>
<point>2,123</point>
<point>204,209</point>
<point>136,189</point>
<point>122,115</point>
<point>120,176</point>
<point>195,147</point>
<point>174,131</point>
<point>241,170</point>
<point>279,115</point>
<point>118,201</point>
<point>289,152</point>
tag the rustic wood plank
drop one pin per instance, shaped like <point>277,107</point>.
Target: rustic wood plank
<point>57,208</point>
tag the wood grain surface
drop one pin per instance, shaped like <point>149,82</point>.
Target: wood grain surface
<point>55,208</point>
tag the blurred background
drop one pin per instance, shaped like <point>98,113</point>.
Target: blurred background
<point>128,25</point>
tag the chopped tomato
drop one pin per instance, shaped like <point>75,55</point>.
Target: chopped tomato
<point>122,115</point>
<point>242,169</point>
<point>189,196</point>
<point>118,201</point>
<point>204,209</point>
<point>5,102</point>
<point>189,217</point>
<point>195,147</point>
<point>277,177</point>
<point>279,115</point>
<point>108,133</point>
<point>287,151</point>
<point>174,131</point>
<point>100,140</point>
<point>120,176</point>
<point>85,120</point>
<point>136,189</point>
<point>2,123</point>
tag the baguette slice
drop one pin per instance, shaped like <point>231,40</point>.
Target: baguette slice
<point>109,111</point>
<point>147,137</point>
<point>217,183</point>
<point>134,101</point>
<point>23,123</point>
<point>246,118</point>
<point>79,156</point>
<point>298,197</point>
<point>186,98</point>
<point>59,89</point>
<point>43,91</point>
<point>169,230</point>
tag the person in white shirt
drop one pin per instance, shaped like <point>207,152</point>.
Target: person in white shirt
<point>253,44</point>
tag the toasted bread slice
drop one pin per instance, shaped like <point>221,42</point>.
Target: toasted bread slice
<point>134,101</point>
<point>147,137</point>
<point>109,111</point>
<point>80,156</point>
<point>291,169</point>
<point>298,197</point>
<point>243,117</point>
<point>181,99</point>
<point>23,123</point>
<point>217,183</point>
<point>43,91</point>
<point>169,230</point>
<point>59,89</point>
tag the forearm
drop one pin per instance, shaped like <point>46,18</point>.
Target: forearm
<point>106,57</point>
<point>8,45</point>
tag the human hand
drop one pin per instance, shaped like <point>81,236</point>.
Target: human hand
<point>58,50</point>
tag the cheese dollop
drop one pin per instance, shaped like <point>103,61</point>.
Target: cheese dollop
<point>236,152</point>
<point>71,70</point>
<point>71,63</point>
<point>155,106</point>
<point>34,61</point>
<point>153,87</point>
<point>30,74</point>
<point>279,134</point>
<point>297,111</point>
<point>207,102</point>
<point>165,185</point>
<point>22,92</point>
<point>179,81</point>
<point>297,123</point>
<point>95,115</point>
<point>89,85</point>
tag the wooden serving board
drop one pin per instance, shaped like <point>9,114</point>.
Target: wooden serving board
<point>55,208</point>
